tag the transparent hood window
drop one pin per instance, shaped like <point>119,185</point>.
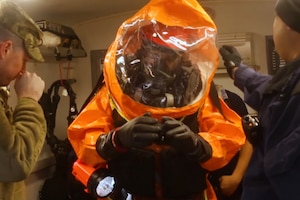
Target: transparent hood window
<point>155,65</point>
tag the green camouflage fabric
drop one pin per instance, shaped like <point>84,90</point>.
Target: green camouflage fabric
<point>20,23</point>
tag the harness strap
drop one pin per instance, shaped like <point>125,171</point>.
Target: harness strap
<point>49,103</point>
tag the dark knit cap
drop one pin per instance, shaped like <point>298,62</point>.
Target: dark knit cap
<point>289,12</point>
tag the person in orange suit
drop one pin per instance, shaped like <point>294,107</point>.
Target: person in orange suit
<point>152,131</point>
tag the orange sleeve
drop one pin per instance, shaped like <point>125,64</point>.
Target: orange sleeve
<point>223,132</point>
<point>94,120</point>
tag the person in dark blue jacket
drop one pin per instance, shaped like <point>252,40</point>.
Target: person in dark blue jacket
<point>274,170</point>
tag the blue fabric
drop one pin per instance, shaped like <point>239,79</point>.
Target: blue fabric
<point>274,170</point>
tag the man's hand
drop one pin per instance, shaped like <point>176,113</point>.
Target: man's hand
<point>229,184</point>
<point>29,85</point>
<point>138,132</point>
<point>231,57</point>
<point>184,141</point>
<point>179,136</point>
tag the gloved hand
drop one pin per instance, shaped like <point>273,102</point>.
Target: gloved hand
<point>231,57</point>
<point>183,140</point>
<point>138,132</point>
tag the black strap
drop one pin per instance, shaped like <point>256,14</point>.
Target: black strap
<point>213,93</point>
<point>97,87</point>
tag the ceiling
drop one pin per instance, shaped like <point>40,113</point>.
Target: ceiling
<point>71,12</point>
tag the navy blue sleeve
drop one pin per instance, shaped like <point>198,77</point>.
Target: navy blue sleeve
<point>252,84</point>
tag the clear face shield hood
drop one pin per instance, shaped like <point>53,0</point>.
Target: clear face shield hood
<point>156,66</point>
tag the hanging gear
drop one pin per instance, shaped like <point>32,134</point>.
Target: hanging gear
<point>49,102</point>
<point>62,186</point>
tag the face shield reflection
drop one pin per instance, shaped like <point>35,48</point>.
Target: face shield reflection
<point>157,74</point>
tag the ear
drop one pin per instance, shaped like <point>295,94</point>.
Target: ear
<point>5,48</point>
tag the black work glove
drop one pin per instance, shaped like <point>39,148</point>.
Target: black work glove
<point>184,141</point>
<point>138,132</point>
<point>231,58</point>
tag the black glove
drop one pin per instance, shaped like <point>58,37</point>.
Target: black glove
<point>183,140</point>
<point>138,132</point>
<point>231,58</point>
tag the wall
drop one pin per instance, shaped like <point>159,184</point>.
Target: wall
<point>237,16</point>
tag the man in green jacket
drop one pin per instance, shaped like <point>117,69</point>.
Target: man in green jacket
<point>22,131</point>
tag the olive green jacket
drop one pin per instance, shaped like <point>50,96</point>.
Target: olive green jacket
<point>22,135</point>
